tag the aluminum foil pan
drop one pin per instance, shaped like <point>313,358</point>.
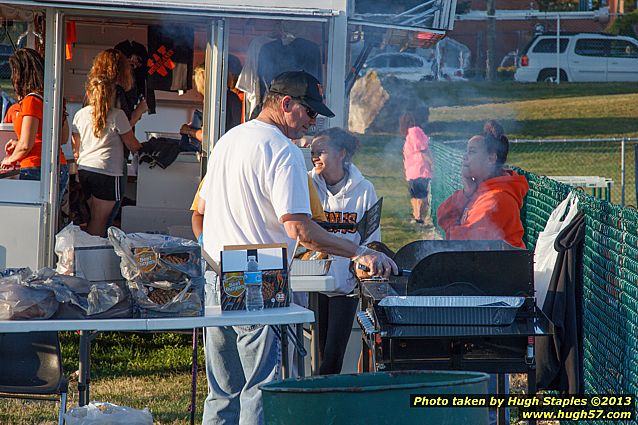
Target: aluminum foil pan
<point>456,310</point>
<point>310,267</point>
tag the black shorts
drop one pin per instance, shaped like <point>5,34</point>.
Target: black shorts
<point>100,186</point>
<point>419,188</point>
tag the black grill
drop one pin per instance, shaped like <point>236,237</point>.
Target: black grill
<point>455,268</point>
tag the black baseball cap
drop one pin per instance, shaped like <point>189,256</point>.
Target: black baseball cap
<point>303,86</point>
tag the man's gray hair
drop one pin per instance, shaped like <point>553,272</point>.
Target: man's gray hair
<point>271,100</point>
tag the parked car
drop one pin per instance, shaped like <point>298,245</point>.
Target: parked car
<point>410,66</point>
<point>406,66</point>
<point>583,57</point>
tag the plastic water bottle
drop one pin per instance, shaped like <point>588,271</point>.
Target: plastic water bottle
<point>252,281</point>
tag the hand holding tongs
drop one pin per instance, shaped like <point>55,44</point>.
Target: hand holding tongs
<point>402,272</point>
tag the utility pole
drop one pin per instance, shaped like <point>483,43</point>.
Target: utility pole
<point>490,61</point>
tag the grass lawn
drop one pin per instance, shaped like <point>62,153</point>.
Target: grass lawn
<point>154,369</point>
<point>545,111</point>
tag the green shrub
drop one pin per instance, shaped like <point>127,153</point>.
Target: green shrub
<point>624,25</point>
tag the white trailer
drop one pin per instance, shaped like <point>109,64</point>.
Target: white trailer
<point>29,209</point>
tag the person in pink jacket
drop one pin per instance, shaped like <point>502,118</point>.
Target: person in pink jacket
<point>417,163</point>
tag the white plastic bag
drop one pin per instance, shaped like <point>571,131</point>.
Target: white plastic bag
<point>67,240</point>
<point>100,413</point>
<point>544,254</point>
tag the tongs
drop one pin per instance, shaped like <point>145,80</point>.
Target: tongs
<point>402,272</point>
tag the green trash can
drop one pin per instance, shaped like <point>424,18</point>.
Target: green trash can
<point>372,398</point>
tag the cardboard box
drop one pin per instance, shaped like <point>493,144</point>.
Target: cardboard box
<point>273,263</point>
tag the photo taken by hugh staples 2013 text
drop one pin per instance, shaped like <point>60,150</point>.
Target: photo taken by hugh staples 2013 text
<point>540,407</point>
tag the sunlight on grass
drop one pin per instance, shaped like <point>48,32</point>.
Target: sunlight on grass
<point>576,117</point>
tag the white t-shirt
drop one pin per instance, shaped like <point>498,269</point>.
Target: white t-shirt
<point>104,154</point>
<point>255,176</point>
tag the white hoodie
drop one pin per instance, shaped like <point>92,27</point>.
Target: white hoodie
<point>348,205</point>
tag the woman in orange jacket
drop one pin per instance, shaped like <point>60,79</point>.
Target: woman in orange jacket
<point>488,207</point>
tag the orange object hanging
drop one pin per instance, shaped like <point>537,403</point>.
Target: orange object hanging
<point>70,39</point>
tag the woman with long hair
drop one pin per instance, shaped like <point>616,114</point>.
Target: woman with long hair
<point>417,163</point>
<point>100,131</point>
<point>27,77</point>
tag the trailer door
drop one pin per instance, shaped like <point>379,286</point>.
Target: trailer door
<point>28,221</point>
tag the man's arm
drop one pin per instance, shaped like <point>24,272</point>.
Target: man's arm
<point>197,223</point>
<point>312,236</point>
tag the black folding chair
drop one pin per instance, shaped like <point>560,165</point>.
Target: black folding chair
<point>31,368</point>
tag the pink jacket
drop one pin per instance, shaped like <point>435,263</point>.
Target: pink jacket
<point>416,163</point>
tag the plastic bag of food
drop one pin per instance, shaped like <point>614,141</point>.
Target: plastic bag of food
<point>164,273</point>
<point>170,299</point>
<point>47,290</point>
<point>67,240</point>
<point>148,257</point>
<point>100,413</point>
<point>21,302</point>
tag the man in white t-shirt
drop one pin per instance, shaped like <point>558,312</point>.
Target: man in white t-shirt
<point>257,189</point>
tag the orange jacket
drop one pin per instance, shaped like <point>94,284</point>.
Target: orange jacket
<point>492,213</point>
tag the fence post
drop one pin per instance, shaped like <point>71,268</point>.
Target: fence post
<point>558,48</point>
<point>622,172</point>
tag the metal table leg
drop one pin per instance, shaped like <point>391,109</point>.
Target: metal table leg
<point>84,379</point>
<point>314,337</point>
<point>300,358</point>
<point>285,366</point>
<point>193,406</point>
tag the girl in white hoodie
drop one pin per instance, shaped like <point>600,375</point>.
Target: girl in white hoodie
<point>346,195</point>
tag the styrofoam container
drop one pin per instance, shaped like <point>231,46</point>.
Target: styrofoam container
<point>310,267</point>
<point>312,283</point>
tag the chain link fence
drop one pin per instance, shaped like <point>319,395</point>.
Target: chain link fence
<point>605,168</point>
<point>602,167</point>
<point>609,267</point>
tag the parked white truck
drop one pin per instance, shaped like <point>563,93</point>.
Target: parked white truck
<point>579,57</point>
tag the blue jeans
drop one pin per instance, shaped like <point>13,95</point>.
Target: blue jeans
<point>34,174</point>
<point>238,360</point>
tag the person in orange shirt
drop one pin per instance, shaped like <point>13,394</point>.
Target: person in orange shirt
<point>27,76</point>
<point>489,205</point>
<point>12,112</point>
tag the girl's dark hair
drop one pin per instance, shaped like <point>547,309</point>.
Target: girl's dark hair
<point>340,139</point>
<point>406,122</point>
<point>496,141</point>
<point>27,72</point>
